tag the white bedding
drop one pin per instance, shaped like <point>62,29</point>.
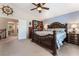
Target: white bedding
<point>60,36</point>
<point>43,33</point>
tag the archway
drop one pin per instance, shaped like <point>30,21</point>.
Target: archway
<point>10,25</point>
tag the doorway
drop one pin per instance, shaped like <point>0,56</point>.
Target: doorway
<point>12,28</point>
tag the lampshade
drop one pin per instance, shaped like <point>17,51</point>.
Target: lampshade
<point>74,26</point>
<point>46,26</point>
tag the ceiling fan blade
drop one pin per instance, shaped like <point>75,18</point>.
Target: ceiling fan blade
<point>40,11</point>
<point>45,8</point>
<point>39,5</point>
<point>34,4</point>
<point>33,9</point>
<point>43,3</point>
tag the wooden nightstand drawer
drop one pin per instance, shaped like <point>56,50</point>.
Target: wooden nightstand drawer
<point>73,38</point>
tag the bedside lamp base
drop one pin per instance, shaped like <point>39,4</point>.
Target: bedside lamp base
<point>74,31</point>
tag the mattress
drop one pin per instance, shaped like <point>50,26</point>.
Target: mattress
<point>43,33</point>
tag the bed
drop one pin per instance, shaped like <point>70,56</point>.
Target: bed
<point>51,39</point>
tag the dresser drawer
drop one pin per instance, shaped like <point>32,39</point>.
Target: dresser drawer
<point>73,38</point>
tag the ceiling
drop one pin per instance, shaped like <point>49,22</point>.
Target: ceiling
<point>56,9</point>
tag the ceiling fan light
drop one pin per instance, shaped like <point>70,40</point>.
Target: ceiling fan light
<point>39,8</point>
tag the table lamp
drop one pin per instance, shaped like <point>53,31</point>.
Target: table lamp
<point>46,26</point>
<point>74,27</point>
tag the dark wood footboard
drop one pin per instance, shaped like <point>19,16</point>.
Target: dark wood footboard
<point>47,41</point>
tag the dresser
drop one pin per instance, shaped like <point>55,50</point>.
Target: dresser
<point>73,38</point>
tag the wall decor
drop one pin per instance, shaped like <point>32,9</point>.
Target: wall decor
<point>7,10</point>
<point>36,24</point>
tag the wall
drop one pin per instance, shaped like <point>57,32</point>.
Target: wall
<point>22,29</point>
<point>3,24</point>
<point>67,18</point>
<point>71,18</point>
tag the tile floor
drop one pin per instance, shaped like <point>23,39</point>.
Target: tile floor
<point>13,47</point>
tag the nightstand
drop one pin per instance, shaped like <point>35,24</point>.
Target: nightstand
<point>73,38</point>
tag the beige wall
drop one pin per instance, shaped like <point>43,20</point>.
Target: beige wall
<point>3,24</point>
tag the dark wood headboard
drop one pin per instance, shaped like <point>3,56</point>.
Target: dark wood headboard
<point>57,25</point>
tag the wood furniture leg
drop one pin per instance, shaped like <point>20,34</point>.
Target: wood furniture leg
<point>54,46</point>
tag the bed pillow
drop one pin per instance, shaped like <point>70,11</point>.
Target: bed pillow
<point>50,29</point>
<point>57,29</point>
<point>60,30</point>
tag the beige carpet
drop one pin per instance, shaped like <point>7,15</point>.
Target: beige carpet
<point>13,47</point>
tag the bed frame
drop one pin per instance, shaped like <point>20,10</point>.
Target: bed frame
<point>49,41</point>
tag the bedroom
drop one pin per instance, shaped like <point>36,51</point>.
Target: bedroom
<point>68,21</point>
<point>60,16</point>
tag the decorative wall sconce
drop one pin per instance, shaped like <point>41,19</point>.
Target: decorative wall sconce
<point>46,26</point>
<point>7,10</point>
<point>30,25</point>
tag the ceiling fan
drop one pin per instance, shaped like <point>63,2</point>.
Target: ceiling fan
<point>39,7</point>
